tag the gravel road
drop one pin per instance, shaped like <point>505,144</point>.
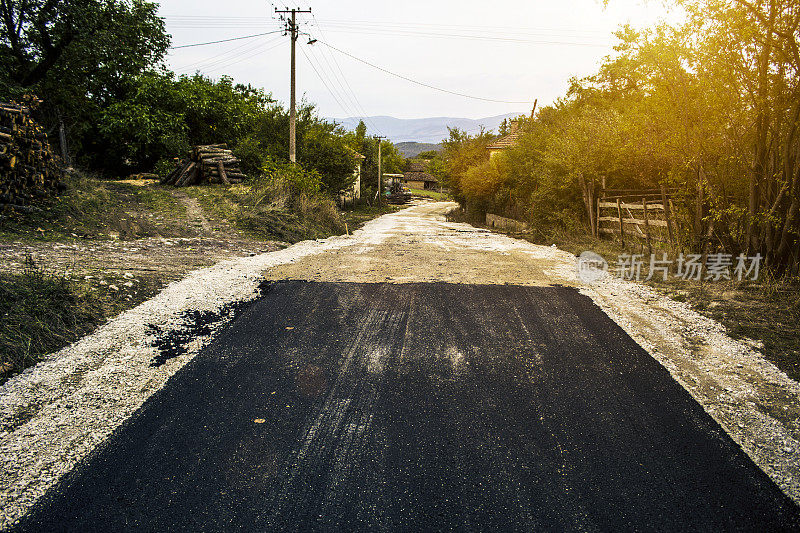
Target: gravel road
<point>418,373</point>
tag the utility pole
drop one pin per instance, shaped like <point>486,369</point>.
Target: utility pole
<point>292,29</point>
<point>380,168</point>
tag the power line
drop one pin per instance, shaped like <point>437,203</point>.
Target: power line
<point>217,21</point>
<point>347,100</point>
<point>322,72</point>
<point>358,105</point>
<point>322,79</point>
<point>228,54</point>
<point>423,84</point>
<point>226,40</point>
<point>410,33</point>
<point>258,51</point>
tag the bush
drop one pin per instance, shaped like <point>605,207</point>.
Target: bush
<point>41,313</point>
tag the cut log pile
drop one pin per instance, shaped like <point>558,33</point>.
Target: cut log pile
<point>29,170</point>
<point>211,163</point>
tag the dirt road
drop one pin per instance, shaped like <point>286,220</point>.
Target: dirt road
<point>417,375</point>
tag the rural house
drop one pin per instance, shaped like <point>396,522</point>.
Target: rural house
<point>353,195</point>
<point>506,141</point>
<point>417,176</point>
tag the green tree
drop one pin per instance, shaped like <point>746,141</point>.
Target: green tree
<point>78,55</point>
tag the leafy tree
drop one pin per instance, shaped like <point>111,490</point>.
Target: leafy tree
<point>77,55</point>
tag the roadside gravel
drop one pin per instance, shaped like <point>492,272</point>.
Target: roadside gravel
<point>54,414</point>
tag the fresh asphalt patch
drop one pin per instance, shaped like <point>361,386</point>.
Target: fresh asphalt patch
<point>424,406</point>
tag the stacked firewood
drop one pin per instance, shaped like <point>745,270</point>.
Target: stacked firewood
<point>29,170</point>
<point>211,163</point>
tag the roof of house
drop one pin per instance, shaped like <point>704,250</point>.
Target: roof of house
<point>418,171</point>
<point>356,154</point>
<point>506,141</point>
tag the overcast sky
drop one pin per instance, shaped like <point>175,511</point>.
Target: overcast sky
<point>510,50</point>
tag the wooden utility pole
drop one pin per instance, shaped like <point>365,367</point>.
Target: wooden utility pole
<point>291,27</point>
<point>380,168</point>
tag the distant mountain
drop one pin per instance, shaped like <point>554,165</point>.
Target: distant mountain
<point>413,149</point>
<point>423,130</point>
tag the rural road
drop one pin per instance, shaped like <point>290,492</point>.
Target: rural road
<point>422,378</point>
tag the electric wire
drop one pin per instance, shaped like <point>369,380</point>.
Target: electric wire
<point>359,107</point>
<point>230,56</point>
<point>257,53</point>
<point>226,40</point>
<point>423,84</point>
<point>311,56</point>
<point>206,60</point>
<point>349,98</point>
<point>314,68</point>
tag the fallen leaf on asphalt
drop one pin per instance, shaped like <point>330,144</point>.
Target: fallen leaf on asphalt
<point>259,420</point>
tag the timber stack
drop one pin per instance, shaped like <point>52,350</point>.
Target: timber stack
<point>210,163</point>
<point>29,170</point>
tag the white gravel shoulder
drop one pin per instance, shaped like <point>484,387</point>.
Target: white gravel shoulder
<point>53,414</point>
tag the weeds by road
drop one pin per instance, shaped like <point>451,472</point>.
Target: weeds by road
<point>105,246</point>
<point>434,195</point>
<point>43,311</point>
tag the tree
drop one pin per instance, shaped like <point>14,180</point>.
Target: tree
<point>78,55</point>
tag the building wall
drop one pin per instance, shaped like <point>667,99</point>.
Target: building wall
<point>413,184</point>
<point>357,184</point>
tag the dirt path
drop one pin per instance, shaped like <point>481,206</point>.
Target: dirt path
<point>57,412</point>
<point>195,214</point>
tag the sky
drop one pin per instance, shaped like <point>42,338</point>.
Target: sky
<point>506,54</point>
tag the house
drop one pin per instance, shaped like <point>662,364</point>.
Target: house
<point>506,141</point>
<point>353,195</point>
<point>418,177</point>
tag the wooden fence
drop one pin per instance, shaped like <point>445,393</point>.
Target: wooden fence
<point>636,214</point>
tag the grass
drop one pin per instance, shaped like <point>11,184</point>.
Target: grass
<point>766,310</point>
<point>269,211</point>
<point>93,208</point>
<point>44,311</point>
<point>439,196</point>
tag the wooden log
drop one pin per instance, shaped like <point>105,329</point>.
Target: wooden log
<point>184,177</point>
<point>222,175</point>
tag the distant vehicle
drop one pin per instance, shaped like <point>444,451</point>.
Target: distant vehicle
<point>397,194</point>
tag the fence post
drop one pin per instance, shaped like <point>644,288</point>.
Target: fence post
<point>621,223</point>
<point>667,215</point>
<point>647,225</point>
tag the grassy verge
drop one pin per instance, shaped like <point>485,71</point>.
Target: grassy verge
<point>270,213</point>
<point>92,208</point>
<point>438,196</point>
<point>766,310</point>
<point>43,312</point>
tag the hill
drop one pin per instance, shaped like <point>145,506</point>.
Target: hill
<point>413,149</point>
<point>422,130</point>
